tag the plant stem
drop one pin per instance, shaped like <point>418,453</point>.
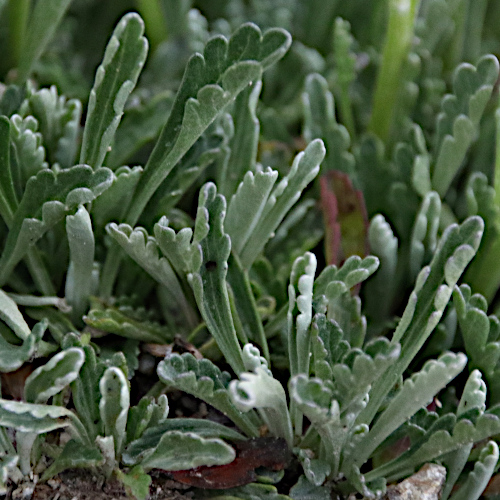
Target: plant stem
<point>39,272</point>
<point>18,14</point>
<point>400,29</point>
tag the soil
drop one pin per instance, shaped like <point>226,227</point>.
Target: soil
<point>82,484</point>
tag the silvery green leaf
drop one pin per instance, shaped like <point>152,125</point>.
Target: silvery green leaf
<point>12,317</point>
<point>43,22</point>
<point>118,322</point>
<point>379,290</point>
<point>315,469</point>
<point>27,151</point>
<point>316,400</point>
<point>206,381</point>
<point>59,124</point>
<point>114,405</point>
<point>300,298</point>
<point>260,390</point>
<point>320,123</point>
<point>461,112</point>
<point>478,479</point>
<point>85,391</point>
<point>327,346</point>
<point>246,206</point>
<point>178,450</point>
<point>115,78</point>
<point>480,334</point>
<point>427,303</point>
<point>209,277</point>
<point>416,392</point>
<point>137,449</point>
<point>13,356</point>
<point>38,418</point>
<point>424,235</point>
<point>144,250</point>
<point>111,205</point>
<point>211,81</point>
<point>73,456</point>
<point>81,251</point>
<point>304,169</point>
<point>177,247</point>
<point>473,396</point>
<point>48,197</point>
<point>244,143</point>
<point>52,377</point>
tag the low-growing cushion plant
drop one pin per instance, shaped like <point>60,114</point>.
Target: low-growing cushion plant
<point>256,251</point>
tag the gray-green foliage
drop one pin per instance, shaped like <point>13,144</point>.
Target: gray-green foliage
<point>196,223</point>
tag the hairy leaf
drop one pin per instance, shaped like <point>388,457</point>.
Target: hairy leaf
<point>461,112</point>
<point>115,79</point>
<point>209,277</point>
<point>204,380</point>
<point>47,199</point>
<point>211,81</point>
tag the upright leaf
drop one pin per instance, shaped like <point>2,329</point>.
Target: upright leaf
<point>46,16</point>
<point>115,78</point>
<point>8,197</point>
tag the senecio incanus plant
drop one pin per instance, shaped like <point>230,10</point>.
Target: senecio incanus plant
<point>331,309</point>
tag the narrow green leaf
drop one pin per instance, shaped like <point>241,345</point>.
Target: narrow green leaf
<point>114,405</point>
<point>52,377</point>
<point>115,78</point>
<point>246,206</point>
<point>46,16</point>
<point>209,278</point>
<point>477,480</point>
<point>415,393</point>
<point>47,199</point>
<point>79,278</point>
<point>304,169</point>
<point>185,450</point>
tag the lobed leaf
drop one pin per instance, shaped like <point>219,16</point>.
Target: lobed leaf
<point>304,169</point>
<point>144,250</point>
<point>415,393</point>
<point>427,302</point>
<point>48,197</point>
<point>115,78</point>
<point>209,277</point>
<point>211,81</point>
<point>204,380</point>
<point>461,112</point>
